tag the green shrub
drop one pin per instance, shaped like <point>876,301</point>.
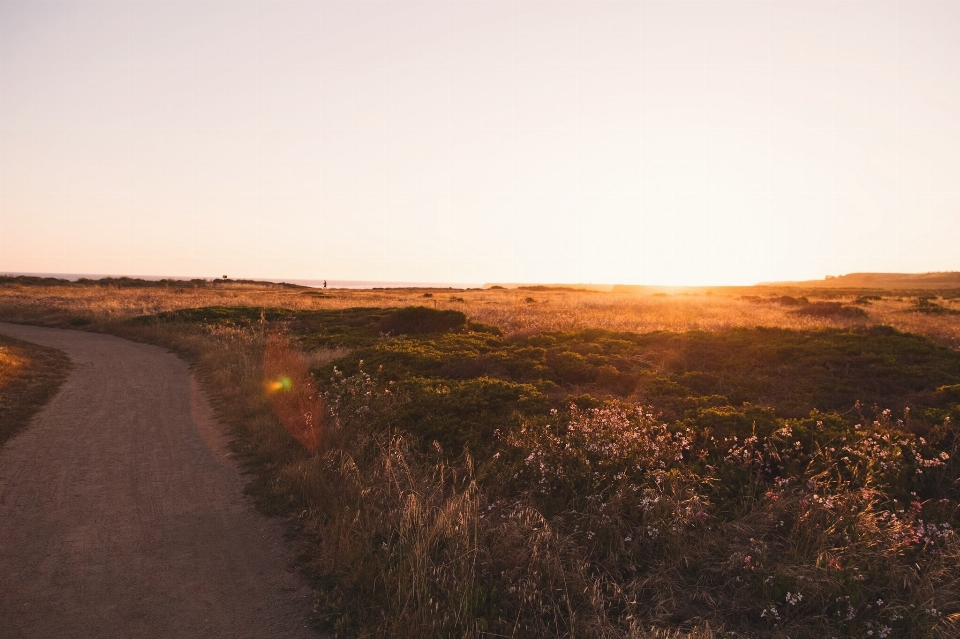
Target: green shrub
<point>420,320</point>
<point>830,309</point>
<point>462,413</point>
<point>928,306</point>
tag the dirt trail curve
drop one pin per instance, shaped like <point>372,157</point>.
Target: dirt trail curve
<point>121,515</point>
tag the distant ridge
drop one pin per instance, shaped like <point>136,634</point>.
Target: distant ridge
<point>940,280</point>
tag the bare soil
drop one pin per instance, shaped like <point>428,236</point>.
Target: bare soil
<point>122,514</point>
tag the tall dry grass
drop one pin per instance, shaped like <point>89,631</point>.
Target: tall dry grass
<point>409,545</point>
<point>292,393</point>
<point>611,531</point>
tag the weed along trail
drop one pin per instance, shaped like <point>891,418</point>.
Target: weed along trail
<point>121,514</point>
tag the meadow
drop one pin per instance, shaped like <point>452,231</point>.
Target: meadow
<point>764,462</point>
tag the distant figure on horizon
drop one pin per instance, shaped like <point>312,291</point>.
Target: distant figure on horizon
<point>324,283</point>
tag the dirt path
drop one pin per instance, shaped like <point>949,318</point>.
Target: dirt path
<point>121,514</point>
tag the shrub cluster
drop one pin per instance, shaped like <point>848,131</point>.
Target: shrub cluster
<point>463,386</point>
<point>830,309</point>
<point>608,521</point>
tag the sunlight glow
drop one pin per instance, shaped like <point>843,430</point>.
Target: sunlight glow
<point>674,143</point>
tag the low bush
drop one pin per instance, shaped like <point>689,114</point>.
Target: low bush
<point>787,300</point>
<point>830,309</point>
<point>929,307</point>
<point>699,376</point>
<point>420,320</point>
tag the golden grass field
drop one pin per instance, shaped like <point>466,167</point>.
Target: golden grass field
<point>506,308</point>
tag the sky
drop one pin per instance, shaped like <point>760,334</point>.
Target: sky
<point>673,142</point>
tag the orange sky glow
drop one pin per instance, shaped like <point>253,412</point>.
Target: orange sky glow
<point>670,142</point>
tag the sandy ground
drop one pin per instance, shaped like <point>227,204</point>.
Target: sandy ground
<point>121,514</point>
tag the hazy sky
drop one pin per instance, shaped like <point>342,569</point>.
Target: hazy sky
<point>672,142</point>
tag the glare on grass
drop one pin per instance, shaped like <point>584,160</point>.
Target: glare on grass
<point>292,393</point>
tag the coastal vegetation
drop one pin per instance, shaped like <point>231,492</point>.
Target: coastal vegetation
<point>584,464</point>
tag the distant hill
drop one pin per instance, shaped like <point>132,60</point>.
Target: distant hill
<point>935,281</point>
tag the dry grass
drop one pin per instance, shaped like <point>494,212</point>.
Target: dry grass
<point>292,393</point>
<point>29,376</point>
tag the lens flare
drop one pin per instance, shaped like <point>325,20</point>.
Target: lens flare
<point>283,383</point>
<point>292,393</point>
